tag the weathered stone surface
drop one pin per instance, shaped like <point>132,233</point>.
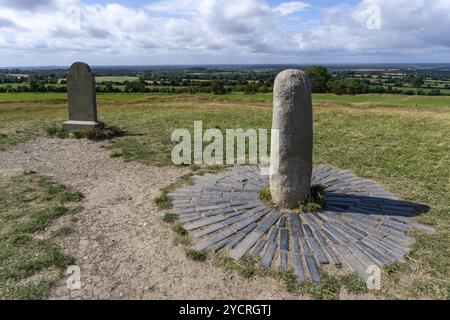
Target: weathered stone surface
<point>291,156</point>
<point>81,98</point>
<point>259,247</point>
<point>312,268</point>
<point>283,260</point>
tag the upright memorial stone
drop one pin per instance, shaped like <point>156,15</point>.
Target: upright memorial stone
<point>81,98</point>
<point>291,156</point>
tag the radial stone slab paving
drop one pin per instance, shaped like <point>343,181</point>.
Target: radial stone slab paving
<point>360,224</point>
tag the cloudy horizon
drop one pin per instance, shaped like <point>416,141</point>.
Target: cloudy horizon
<point>180,32</point>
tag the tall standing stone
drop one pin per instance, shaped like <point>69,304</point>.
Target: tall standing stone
<point>81,98</point>
<point>292,139</point>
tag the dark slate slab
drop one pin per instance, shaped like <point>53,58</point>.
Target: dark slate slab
<point>267,223</point>
<point>296,226</point>
<point>244,223</point>
<point>330,237</point>
<point>312,268</point>
<point>295,245</point>
<point>347,231</point>
<point>203,222</point>
<point>380,247</point>
<point>284,239</point>
<point>366,259</point>
<point>311,222</point>
<point>221,244</point>
<point>282,222</point>
<point>259,246</point>
<point>216,237</point>
<point>352,261</point>
<point>299,270</point>
<point>246,206</point>
<point>335,233</point>
<point>374,253</point>
<point>318,251</point>
<point>273,234</point>
<point>283,260</point>
<point>308,231</point>
<point>237,218</point>
<point>238,238</point>
<point>208,230</point>
<point>249,229</point>
<point>304,245</point>
<point>209,208</point>
<point>241,249</point>
<point>394,247</point>
<point>269,254</point>
<point>333,257</point>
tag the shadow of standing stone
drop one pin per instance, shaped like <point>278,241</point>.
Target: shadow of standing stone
<point>81,98</point>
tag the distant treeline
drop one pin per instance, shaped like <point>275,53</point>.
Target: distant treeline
<point>249,82</point>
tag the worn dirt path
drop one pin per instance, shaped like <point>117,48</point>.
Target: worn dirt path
<point>123,248</point>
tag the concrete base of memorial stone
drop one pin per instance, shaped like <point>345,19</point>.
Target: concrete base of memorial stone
<point>360,225</point>
<point>72,125</point>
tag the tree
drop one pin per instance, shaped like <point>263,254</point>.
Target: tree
<point>417,82</point>
<point>218,88</point>
<point>319,77</point>
<point>251,88</point>
<point>348,86</point>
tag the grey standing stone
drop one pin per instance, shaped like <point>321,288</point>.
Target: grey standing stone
<point>81,98</point>
<point>291,156</point>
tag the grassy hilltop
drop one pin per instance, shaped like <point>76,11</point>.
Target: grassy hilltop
<point>402,142</point>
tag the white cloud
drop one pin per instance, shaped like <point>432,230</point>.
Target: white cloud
<point>42,31</point>
<point>291,7</point>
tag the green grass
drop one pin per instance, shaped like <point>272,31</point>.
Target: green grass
<point>199,256</point>
<point>327,289</point>
<point>315,201</point>
<point>265,194</point>
<point>120,79</point>
<point>389,139</point>
<point>179,230</point>
<point>102,132</point>
<point>382,99</point>
<point>354,284</point>
<point>170,217</point>
<point>248,267</point>
<point>163,201</point>
<point>385,99</point>
<point>30,260</point>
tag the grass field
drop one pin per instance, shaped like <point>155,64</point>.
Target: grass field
<point>120,79</point>
<point>370,99</point>
<point>404,147</point>
<point>30,259</point>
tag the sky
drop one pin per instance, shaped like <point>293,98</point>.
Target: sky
<point>144,32</point>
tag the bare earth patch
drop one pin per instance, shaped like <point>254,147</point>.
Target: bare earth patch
<point>121,244</point>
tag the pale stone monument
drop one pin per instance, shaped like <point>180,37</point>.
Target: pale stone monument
<point>291,156</point>
<point>81,98</point>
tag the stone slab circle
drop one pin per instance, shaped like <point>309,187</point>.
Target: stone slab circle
<point>360,225</point>
<point>81,98</point>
